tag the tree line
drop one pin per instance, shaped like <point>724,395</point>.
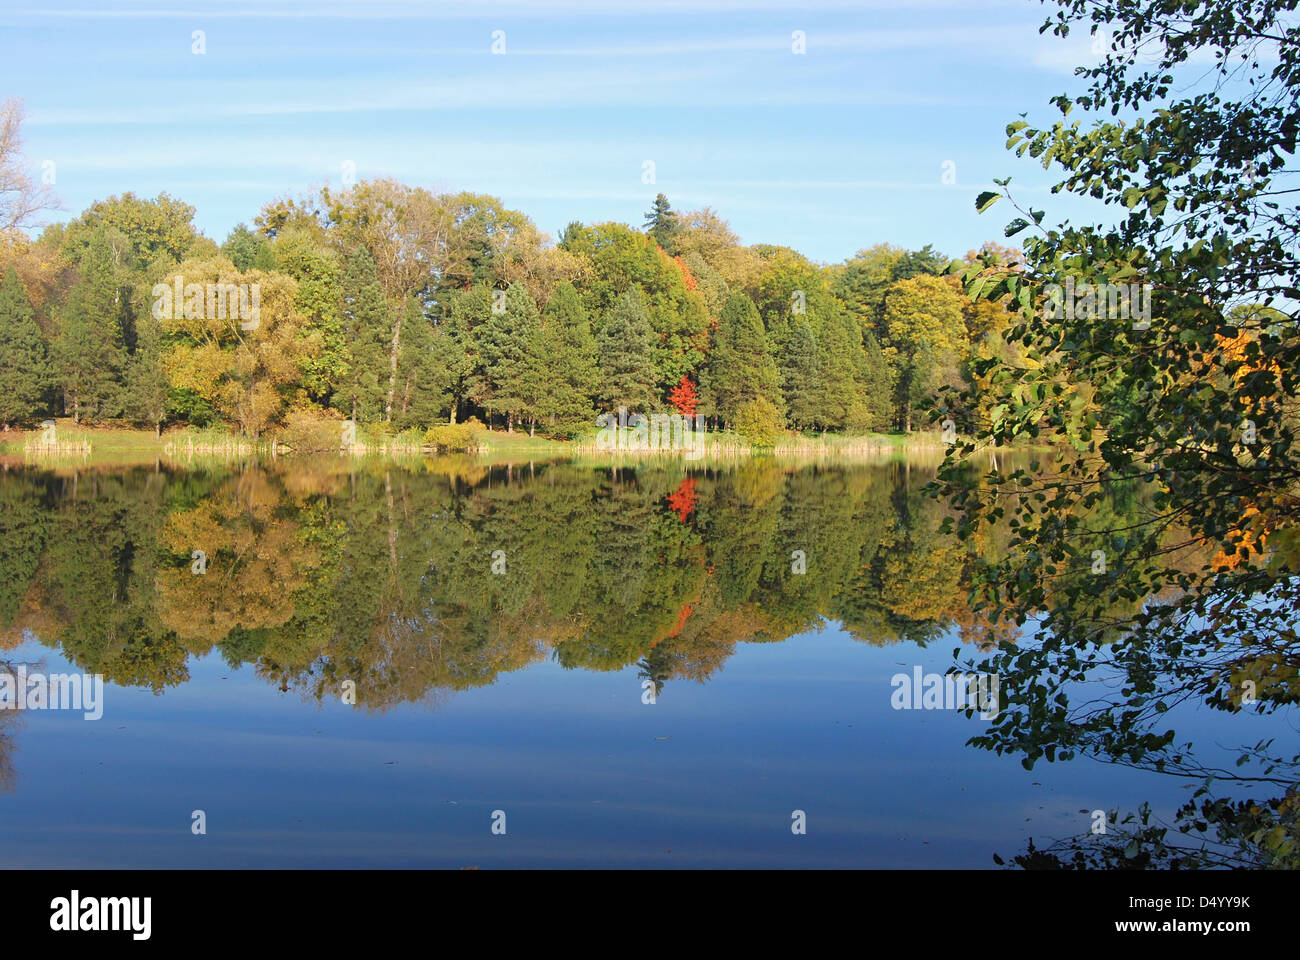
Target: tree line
<point>401,308</point>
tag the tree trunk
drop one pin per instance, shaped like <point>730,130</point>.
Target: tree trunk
<point>392,362</point>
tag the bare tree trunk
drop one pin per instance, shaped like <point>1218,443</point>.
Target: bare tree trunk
<point>392,362</point>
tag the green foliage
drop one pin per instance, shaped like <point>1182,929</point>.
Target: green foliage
<point>389,318</point>
<point>1199,402</point>
<point>511,373</point>
<point>627,375</point>
<point>365,327</point>
<point>157,232</point>
<point>24,365</point>
<point>456,437</point>
<point>740,369</point>
<point>662,225</point>
<point>145,398</point>
<point>301,253</point>
<point>568,351</point>
<point>248,250</point>
<point>89,354</point>
<point>422,377</point>
<point>800,376</point>
<point>622,258</point>
<point>759,421</point>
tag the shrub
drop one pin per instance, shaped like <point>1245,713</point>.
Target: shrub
<point>311,431</point>
<point>760,422</point>
<point>861,420</point>
<point>455,437</point>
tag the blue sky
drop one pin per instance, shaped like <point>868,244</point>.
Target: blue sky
<point>828,151</point>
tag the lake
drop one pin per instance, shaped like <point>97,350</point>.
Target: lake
<point>450,664</point>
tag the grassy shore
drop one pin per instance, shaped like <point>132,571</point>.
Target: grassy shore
<point>116,443</point>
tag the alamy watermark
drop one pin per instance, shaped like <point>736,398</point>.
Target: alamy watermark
<point>658,431</point>
<point>75,913</point>
<point>212,301</point>
<point>1099,301</point>
<point>946,691</point>
<point>20,690</point>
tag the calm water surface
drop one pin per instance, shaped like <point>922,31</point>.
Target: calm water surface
<point>366,662</point>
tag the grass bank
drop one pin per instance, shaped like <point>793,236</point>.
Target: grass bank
<point>117,443</point>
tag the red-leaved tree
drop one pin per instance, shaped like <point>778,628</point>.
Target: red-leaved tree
<point>684,397</point>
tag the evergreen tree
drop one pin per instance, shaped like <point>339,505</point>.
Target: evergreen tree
<point>799,377</point>
<point>662,224</point>
<point>89,354</point>
<point>924,262</point>
<point>365,326</point>
<point>422,377</point>
<point>24,365</point>
<point>877,388</point>
<point>508,344</point>
<point>147,388</point>
<point>248,250</point>
<point>741,368</point>
<point>838,347</point>
<point>627,374</point>
<point>569,351</point>
<point>455,345</point>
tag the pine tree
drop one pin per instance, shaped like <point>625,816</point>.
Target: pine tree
<point>799,377</point>
<point>838,347</point>
<point>147,387</point>
<point>24,364</point>
<point>455,345</point>
<point>877,388</point>
<point>366,326</point>
<point>508,343</point>
<point>741,368</point>
<point>88,351</point>
<point>662,224</point>
<point>422,375</point>
<point>569,350</point>
<point>248,250</point>
<point>627,372</point>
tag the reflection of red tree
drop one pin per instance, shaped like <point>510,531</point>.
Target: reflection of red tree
<point>682,500</point>
<point>682,617</point>
<point>684,397</point>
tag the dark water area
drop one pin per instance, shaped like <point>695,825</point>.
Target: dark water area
<point>540,665</point>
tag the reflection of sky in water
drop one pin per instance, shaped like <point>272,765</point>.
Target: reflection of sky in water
<point>574,759</point>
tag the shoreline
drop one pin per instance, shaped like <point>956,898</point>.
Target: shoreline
<point>121,445</point>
